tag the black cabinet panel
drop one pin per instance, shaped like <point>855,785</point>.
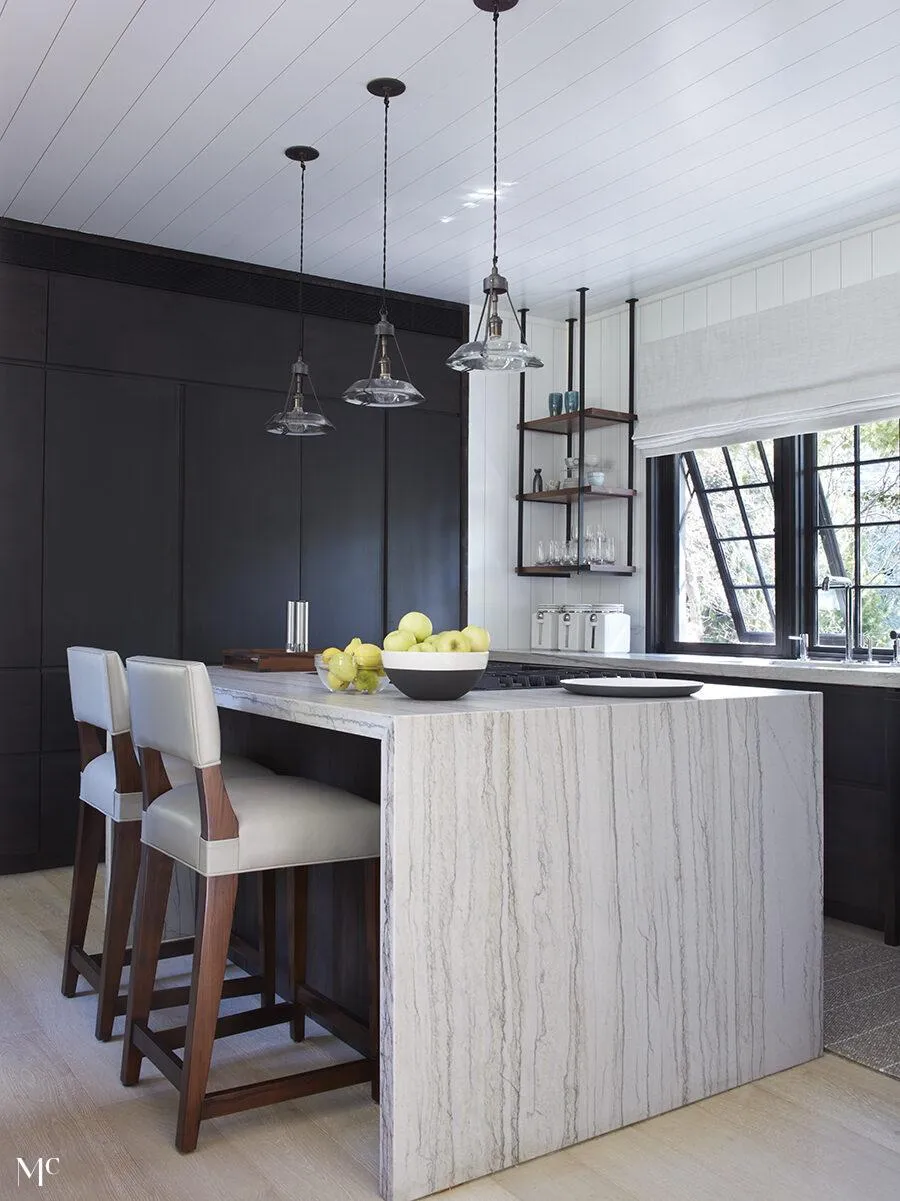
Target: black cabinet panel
<point>111,521</point>
<point>426,357</point>
<point>423,526</point>
<point>342,513</point>
<point>118,327</point>
<point>338,352</point>
<point>21,479</point>
<point>59,808</point>
<point>23,312</point>
<point>58,732</point>
<point>241,522</point>
<point>20,711</point>
<point>19,808</point>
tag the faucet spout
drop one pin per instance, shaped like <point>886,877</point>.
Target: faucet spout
<point>843,583</point>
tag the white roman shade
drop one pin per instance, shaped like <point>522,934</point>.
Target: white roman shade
<point>812,365</point>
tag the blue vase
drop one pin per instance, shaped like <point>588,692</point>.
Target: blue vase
<point>555,403</point>
<point>571,402</point>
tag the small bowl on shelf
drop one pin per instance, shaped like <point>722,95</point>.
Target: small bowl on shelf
<point>372,681</point>
<point>437,675</point>
<point>596,478</point>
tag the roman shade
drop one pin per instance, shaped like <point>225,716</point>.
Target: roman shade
<point>816,364</point>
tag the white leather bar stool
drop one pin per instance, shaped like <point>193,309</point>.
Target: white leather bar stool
<point>111,788</point>
<point>221,828</point>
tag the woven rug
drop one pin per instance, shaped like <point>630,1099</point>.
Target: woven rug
<point>862,997</point>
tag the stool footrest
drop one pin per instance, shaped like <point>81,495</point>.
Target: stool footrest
<point>87,966</point>
<point>286,1088</point>
<point>232,1023</point>
<point>160,1056</point>
<point>336,1018</point>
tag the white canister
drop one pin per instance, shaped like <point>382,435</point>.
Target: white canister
<point>606,630</point>
<point>569,624</point>
<point>543,628</point>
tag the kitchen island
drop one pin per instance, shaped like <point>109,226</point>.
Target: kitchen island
<point>593,910</point>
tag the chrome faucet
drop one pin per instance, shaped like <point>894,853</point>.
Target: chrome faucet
<point>895,638</point>
<point>842,583</point>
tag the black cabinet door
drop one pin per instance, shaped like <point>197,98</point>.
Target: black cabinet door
<point>23,312</point>
<point>241,522</point>
<point>111,515</point>
<point>21,479</point>
<point>20,711</point>
<point>20,807</point>
<point>59,808</point>
<point>423,526</point>
<point>343,526</point>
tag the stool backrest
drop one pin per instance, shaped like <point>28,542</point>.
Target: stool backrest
<point>173,712</point>
<point>99,689</point>
<point>173,709</point>
<point>100,706</point>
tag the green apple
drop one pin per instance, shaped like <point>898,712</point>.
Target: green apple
<point>343,666</point>
<point>399,640</point>
<point>418,625</point>
<point>452,640</point>
<point>427,645</point>
<point>366,681</point>
<point>335,683</point>
<point>479,638</point>
<point>368,656</point>
<point>352,646</point>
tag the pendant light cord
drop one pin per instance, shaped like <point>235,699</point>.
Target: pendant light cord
<point>302,225</point>
<point>496,28</point>
<point>387,104</point>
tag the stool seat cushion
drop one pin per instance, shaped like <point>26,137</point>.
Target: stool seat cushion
<point>283,821</point>
<point>98,783</point>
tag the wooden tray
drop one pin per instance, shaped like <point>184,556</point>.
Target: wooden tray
<point>270,660</point>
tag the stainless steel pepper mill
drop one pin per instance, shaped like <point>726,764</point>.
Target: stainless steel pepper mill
<point>297,626</point>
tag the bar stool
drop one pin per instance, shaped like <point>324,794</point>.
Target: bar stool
<point>111,788</point>
<point>221,828</point>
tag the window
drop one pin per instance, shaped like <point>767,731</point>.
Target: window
<point>857,531</point>
<point>741,537</point>
<point>726,562</point>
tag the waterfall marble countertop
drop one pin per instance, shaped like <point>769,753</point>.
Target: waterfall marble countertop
<point>593,910</point>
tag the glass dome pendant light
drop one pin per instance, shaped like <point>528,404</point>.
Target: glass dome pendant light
<point>381,390</point>
<point>493,352</point>
<point>295,420</point>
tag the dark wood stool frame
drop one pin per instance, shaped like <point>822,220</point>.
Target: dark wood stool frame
<point>215,908</point>
<point>103,972</point>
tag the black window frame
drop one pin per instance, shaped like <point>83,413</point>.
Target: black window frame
<point>796,501</point>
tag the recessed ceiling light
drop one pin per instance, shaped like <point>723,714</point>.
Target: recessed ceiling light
<point>444,220</point>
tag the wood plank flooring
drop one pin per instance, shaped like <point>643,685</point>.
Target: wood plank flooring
<point>827,1131</point>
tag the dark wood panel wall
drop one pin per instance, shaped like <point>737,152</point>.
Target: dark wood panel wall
<point>144,508</point>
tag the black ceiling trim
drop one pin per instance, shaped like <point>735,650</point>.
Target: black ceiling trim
<point>73,253</point>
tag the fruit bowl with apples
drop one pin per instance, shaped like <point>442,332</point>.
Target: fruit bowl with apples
<point>356,668</point>
<point>434,667</point>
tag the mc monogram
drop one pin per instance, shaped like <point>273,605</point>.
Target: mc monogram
<point>39,1170</point>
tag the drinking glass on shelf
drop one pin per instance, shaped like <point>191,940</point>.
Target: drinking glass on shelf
<point>572,552</point>
<point>555,552</point>
<point>595,547</point>
<point>609,550</point>
<point>541,555</point>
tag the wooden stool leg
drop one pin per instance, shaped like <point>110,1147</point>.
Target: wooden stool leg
<point>88,848</point>
<point>373,943</point>
<point>150,917</point>
<point>298,905</point>
<point>124,863</point>
<point>267,948</point>
<point>214,917</point>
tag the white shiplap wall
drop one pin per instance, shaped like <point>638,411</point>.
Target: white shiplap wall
<point>861,254</point>
<point>498,598</point>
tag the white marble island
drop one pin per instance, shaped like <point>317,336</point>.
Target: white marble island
<point>594,910</point>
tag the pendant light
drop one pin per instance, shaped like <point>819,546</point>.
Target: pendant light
<point>295,420</point>
<point>493,352</point>
<point>381,390</point>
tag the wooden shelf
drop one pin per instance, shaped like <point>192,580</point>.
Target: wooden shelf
<point>567,423</point>
<point>565,572</point>
<point>564,496</point>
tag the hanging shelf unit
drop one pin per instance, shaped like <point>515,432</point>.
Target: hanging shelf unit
<point>572,426</point>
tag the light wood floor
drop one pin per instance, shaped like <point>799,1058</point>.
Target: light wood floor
<point>827,1131</point>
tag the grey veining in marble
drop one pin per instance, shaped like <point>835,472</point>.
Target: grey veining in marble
<point>594,909</point>
<point>813,672</point>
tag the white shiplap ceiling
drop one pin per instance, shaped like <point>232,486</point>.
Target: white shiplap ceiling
<point>643,142</point>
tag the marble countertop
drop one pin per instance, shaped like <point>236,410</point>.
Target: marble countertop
<point>300,697</point>
<point>812,672</point>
